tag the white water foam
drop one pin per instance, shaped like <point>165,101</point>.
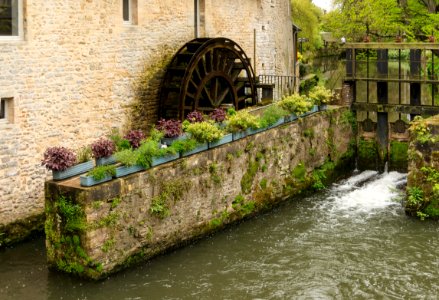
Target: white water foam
<point>376,194</point>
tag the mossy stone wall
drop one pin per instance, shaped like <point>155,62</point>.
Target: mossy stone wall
<point>92,232</point>
<point>423,176</point>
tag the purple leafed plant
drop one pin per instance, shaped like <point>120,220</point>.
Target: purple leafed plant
<point>195,117</point>
<point>103,148</point>
<point>135,137</point>
<point>170,128</point>
<point>58,158</point>
<point>218,115</point>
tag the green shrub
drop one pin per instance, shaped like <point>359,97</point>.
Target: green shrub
<point>295,104</point>
<point>204,131</point>
<point>181,146</point>
<point>83,154</point>
<point>271,115</point>
<point>127,157</point>
<point>320,95</point>
<point>100,172</point>
<point>241,121</point>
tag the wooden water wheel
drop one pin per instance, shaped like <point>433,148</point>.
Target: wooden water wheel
<point>204,74</point>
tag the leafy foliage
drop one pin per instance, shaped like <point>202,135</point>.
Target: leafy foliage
<point>103,148</point>
<point>83,154</point>
<point>295,104</point>
<point>195,117</point>
<point>204,132</point>
<point>320,95</point>
<point>58,158</point>
<point>170,128</point>
<point>218,115</point>
<point>100,172</point>
<point>242,120</point>
<point>135,137</point>
<point>119,142</point>
<point>271,115</point>
<point>306,15</point>
<point>127,157</point>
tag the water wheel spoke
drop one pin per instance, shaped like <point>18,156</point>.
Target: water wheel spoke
<point>208,62</point>
<point>206,94</point>
<point>214,90</point>
<point>223,95</point>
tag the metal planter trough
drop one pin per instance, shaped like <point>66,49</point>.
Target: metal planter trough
<point>164,159</point>
<point>251,131</point>
<point>126,170</point>
<point>290,118</point>
<point>278,122</point>
<point>90,181</point>
<point>239,135</point>
<point>199,148</point>
<point>73,171</point>
<point>225,139</point>
<point>109,160</point>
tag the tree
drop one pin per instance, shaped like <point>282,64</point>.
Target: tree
<point>307,16</point>
<point>353,19</point>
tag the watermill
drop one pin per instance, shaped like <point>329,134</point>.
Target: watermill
<point>207,73</point>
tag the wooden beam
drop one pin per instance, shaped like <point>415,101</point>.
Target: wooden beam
<point>398,108</point>
<point>379,45</point>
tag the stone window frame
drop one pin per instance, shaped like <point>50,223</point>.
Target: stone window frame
<point>20,35</point>
<point>6,110</point>
<point>129,12</point>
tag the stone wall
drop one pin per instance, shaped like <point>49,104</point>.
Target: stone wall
<point>73,78</point>
<point>95,231</point>
<point>423,177</point>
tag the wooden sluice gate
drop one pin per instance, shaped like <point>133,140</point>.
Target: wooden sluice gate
<point>389,84</point>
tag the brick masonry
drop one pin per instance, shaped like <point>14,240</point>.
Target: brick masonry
<point>72,76</point>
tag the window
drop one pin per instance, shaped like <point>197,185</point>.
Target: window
<point>6,110</point>
<point>129,11</point>
<point>11,26</point>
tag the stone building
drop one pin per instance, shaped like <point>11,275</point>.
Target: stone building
<point>69,71</point>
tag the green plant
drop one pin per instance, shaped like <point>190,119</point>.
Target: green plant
<point>181,146</point>
<point>71,214</point>
<point>420,129</point>
<point>415,196</point>
<point>271,115</point>
<point>100,172</point>
<point>127,157</point>
<point>320,95</point>
<point>83,154</point>
<point>295,104</point>
<point>241,121</point>
<point>119,142</point>
<point>173,190</point>
<point>204,131</point>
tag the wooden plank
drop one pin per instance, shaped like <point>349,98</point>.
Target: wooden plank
<point>392,79</point>
<point>398,108</point>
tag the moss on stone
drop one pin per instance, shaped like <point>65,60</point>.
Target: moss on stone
<point>249,176</point>
<point>398,155</point>
<point>367,154</point>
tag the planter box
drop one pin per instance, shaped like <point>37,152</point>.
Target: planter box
<point>169,141</point>
<point>239,135</point>
<point>226,139</point>
<point>73,171</point>
<point>290,118</point>
<point>314,109</point>
<point>323,107</point>
<point>124,170</point>
<point>164,159</point>
<point>89,181</point>
<point>278,122</point>
<point>252,131</point>
<point>109,160</point>
<point>199,148</point>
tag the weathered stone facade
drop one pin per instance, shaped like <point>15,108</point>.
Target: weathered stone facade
<point>95,231</point>
<point>72,77</point>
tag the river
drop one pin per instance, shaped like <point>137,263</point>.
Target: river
<point>352,241</point>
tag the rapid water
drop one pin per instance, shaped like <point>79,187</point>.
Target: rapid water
<point>352,241</point>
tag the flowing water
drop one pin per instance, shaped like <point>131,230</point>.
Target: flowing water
<point>352,241</point>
